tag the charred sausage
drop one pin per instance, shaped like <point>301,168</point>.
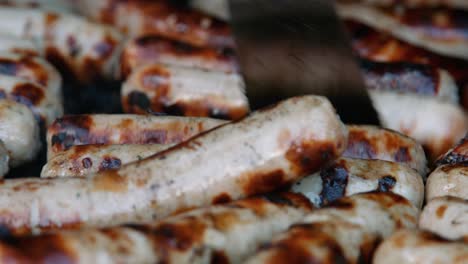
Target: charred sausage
<point>152,49</point>
<point>185,91</point>
<point>122,129</point>
<point>349,176</point>
<point>268,150</point>
<point>213,234</point>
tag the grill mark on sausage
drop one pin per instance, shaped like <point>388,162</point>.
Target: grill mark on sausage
<point>386,184</point>
<point>334,182</point>
<point>457,156</point>
<point>110,163</point>
<point>87,163</point>
<point>401,77</point>
<point>265,181</point>
<point>359,146</point>
<point>80,125</point>
<point>28,94</point>
<point>307,156</point>
<point>110,181</point>
<point>49,248</point>
<point>221,198</point>
<point>24,67</point>
<point>441,211</point>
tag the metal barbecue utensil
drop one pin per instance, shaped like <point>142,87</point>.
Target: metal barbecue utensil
<point>295,47</point>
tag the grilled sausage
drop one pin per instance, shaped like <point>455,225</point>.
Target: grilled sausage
<point>45,105</point>
<point>218,233</point>
<point>398,88</point>
<point>441,30</point>
<point>446,216</point>
<point>33,69</point>
<point>160,18</point>
<point>420,247</point>
<point>185,91</point>
<point>349,176</point>
<point>122,129</point>
<point>19,132</point>
<point>451,177</point>
<point>371,142</point>
<point>16,45</point>
<point>82,160</point>
<point>4,160</point>
<point>151,49</point>
<point>268,150</point>
<point>373,45</point>
<point>83,50</point>
<point>345,231</point>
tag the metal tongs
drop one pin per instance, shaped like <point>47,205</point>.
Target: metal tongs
<point>294,47</point>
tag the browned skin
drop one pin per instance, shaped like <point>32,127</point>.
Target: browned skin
<point>73,130</point>
<point>373,45</point>
<point>401,77</point>
<point>188,28</point>
<point>25,67</point>
<point>362,146</point>
<point>28,94</point>
<point>149,48</point>
<point>156,78</point>
<point>182,235</point>
<point>456,156</point>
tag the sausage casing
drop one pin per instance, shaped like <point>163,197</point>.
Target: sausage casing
<point>446,216</point>
<point>185,91</point>
<point>218,233</point>
<point>160,18</point>
<point>350,176</point>
<point>266,151</point>
<point>420,247</point>
<point>19,132</point>
<point>152,49</point>
<point>371,142</point>
<point>122,129</point>
<point>345,231</point>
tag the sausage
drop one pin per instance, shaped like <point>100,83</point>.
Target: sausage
<point>446,216</point>
<point>213,234</point>
<point>451,177</point>
<point>33,69</point>
<point>436,130</point>
<point>140,17</point>
<point>4,160</point>
<point>112,129</point>
<point>19,132</point>
<point>83,160</point>
<point>45,105</point>
<point>16,45</point>
<point>349,176</point>
<point>371,142</point>
<point>420,247</point>
<point>266,151</point>
<point>150,49</point>
<point>185,91</point>
<point>82,50</point>
<point>321,242</point>
<point>346,231</point>
<point>373,45</point>
<point>217,8</point>
<point>441,30</point>
<point>410,78</point>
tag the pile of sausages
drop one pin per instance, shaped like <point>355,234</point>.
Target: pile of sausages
<point>208,181</point>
